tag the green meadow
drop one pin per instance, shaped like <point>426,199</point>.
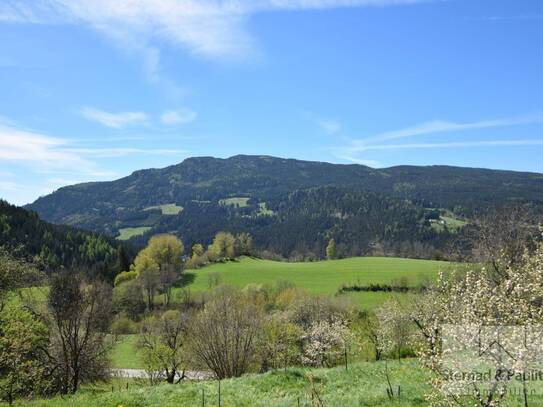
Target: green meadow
<point>240,202</point>
<point>166,209</point>
<point>125,353</point>
<point>320,277</point>
<point>127,233</point>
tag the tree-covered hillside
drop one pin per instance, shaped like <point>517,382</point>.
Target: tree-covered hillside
<point>289,205</point>
<point>51,247</point>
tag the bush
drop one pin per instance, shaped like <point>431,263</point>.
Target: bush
<point>23,363</point>
<point>122,325</point>
<point>125,276</point>
<point>197,261</point>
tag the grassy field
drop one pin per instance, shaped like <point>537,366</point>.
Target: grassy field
<point>167,209</point>
<point>240,202</point>
<point>362,385</point>
<point>127,233</point>
<point>453,223</point>
<point>317,277</point>
<point>125,355</point>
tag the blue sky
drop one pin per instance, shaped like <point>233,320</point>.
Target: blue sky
<point>93,89</point>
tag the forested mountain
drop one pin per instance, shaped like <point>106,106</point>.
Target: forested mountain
<point>51,247</point>
<point>291,206</point>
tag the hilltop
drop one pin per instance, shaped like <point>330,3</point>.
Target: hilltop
<point>293,207</point>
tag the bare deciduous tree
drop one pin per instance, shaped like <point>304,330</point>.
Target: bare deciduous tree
<point>79,314</point>
<point>224,334</point>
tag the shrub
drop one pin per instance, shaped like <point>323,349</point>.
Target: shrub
<point>23,363</point>
<point>122,325</point>
<point>125,276</point>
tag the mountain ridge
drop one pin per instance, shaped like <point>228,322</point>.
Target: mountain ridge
<point>252,192</point>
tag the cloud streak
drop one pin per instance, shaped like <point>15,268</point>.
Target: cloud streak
<point>486,143</point>
<point>439,126</point>
<point>113,120</point>
<point>381,142</point>
<point>31,148</point>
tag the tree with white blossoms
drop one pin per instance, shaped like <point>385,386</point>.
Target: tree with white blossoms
<point>324,342</point>
<point>394,330</point>
<point>462,316</point>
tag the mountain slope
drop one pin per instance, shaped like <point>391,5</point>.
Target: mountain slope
<point>53,246</point>
<point>274,199</point>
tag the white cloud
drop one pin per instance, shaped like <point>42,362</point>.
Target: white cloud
<point>437,127</point>
<point>114,120</point>
<point>211,28</point>
<point>180,116</point>
<point>56,154</point>
<point>26,146</point>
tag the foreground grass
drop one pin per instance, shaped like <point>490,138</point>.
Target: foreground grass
<point>364,384</point>
<point>320,276</point>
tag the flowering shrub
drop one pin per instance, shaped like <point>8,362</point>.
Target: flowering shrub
<point>324,342</point>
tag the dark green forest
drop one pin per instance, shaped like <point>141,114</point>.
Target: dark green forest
<point>52,247</point>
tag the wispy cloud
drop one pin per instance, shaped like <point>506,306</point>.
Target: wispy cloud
<point>179,116</point>
<point>119,152</point>
<point>26,146</point>
<point>114,120</point>
<point>330,126</point>
<point>439,126</point>
<point>29,154</point>
<point>211,28</point>
<point>485,143</point>
<point>29,147</point>
<point>327,124</point>
<point>381,141</point>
